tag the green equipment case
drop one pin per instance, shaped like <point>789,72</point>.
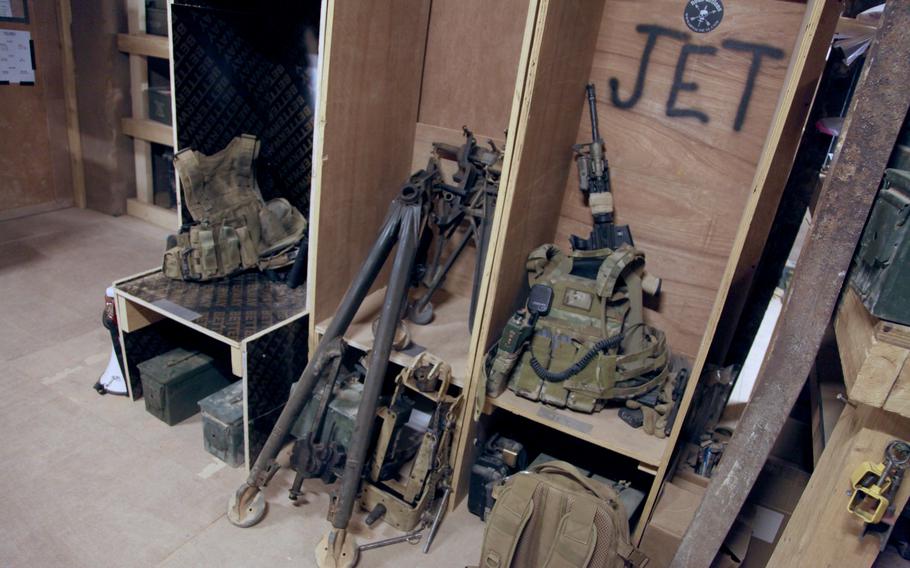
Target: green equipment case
<point>222,424</point>
<point>340,417</point>
<point>173,383</point>
<point>881,266</point>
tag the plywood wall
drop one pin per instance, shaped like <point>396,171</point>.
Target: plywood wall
<point>682,169</point>
<point>471,60</point>
<point>470,69</point>
<point>369,93</point>
<point>34,161</point>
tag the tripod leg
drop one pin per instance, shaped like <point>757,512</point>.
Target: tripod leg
<point>419,313</point>
<point>395,296</point>
<point>484,232</point>
<point>247,505</point>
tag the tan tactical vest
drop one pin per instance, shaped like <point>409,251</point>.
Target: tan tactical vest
<point>592,345</point>
<point>554,517</point>
<point>234,228</point>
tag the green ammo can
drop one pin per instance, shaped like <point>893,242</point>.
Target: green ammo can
<point>174,382</point>
<point>881,265</point>
<point>222,424</point>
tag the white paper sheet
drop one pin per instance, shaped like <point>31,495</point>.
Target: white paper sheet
<point>6,9</point>
<point>16,57</point>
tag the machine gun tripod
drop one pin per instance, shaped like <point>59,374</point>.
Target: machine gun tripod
<point>468,204</point>
<point>411,214</point>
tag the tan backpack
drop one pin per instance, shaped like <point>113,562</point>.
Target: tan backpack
<point>554,517</point>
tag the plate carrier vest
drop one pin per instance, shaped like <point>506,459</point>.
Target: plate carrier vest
<point>234,229</point>
<point>592,344</point>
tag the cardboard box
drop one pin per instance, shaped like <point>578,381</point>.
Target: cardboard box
<point>674,512</point>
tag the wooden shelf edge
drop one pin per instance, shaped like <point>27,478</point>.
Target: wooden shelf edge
<point>159,216</point>
<point>604,428</point>
<point>148,130</point>
<point>447,337</point>
<point>147,45</point>
<point>165,314</point>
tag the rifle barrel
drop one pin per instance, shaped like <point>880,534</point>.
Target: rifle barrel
<point>592,108</point>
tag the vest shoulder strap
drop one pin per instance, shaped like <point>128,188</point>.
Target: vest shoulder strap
<point>186,162</point>
<point>244,154</point>
<point>614,266</point>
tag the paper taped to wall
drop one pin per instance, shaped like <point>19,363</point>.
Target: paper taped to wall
<point>17,62</point>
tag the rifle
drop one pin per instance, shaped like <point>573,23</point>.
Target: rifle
<point>594,182</point>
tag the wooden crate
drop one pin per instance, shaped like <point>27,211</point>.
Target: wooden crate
<point>874,356</point>
<point>394,79</point>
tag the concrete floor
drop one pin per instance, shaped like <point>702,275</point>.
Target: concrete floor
<point>94,480</point>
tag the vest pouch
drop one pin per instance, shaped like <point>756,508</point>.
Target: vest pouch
<point>592,383</point>
<point>282,226</point>
<point>172,265</point>
<point>203,259</point>
<point>565,353</point>
<point>229,250</point>
<point>526,383</point>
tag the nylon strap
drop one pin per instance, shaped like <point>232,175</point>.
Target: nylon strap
<point>576,536</point>
<point>568,470</point>
<point>243,157</point>
<point>507,521</point>
<point>631,555</point>
<point>612,268</point>
<point>191,178</point>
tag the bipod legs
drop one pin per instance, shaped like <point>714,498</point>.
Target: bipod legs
<point>247,506</point>
<point>395,298</point>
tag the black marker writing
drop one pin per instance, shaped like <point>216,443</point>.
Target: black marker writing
<point>654,32</point>
<point>759,51</point>
<point>680,85</point>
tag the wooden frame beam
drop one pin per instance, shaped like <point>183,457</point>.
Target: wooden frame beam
<point>144,44</point>
<point>879,106</point>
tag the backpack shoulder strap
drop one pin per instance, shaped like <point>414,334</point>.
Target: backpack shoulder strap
<point>576,537</point>
<point>507,521</point>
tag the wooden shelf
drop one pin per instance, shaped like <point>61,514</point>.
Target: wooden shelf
<point>144,44</point>
<point>604,428</point>
<point>874,356</point>
<point>447,336</point>
<point>148,130</point>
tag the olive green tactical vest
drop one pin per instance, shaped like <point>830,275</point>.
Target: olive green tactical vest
<point>234,228</point>
<point>568,358</point>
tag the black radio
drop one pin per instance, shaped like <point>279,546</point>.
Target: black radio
<point>500,458</point>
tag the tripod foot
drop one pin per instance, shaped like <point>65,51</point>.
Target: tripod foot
<point>337,550</point>
<point>246,507</point>
<point>421,316</point>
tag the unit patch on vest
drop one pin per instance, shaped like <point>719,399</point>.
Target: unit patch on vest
<point>577,299</point>
<point>703,16</point>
